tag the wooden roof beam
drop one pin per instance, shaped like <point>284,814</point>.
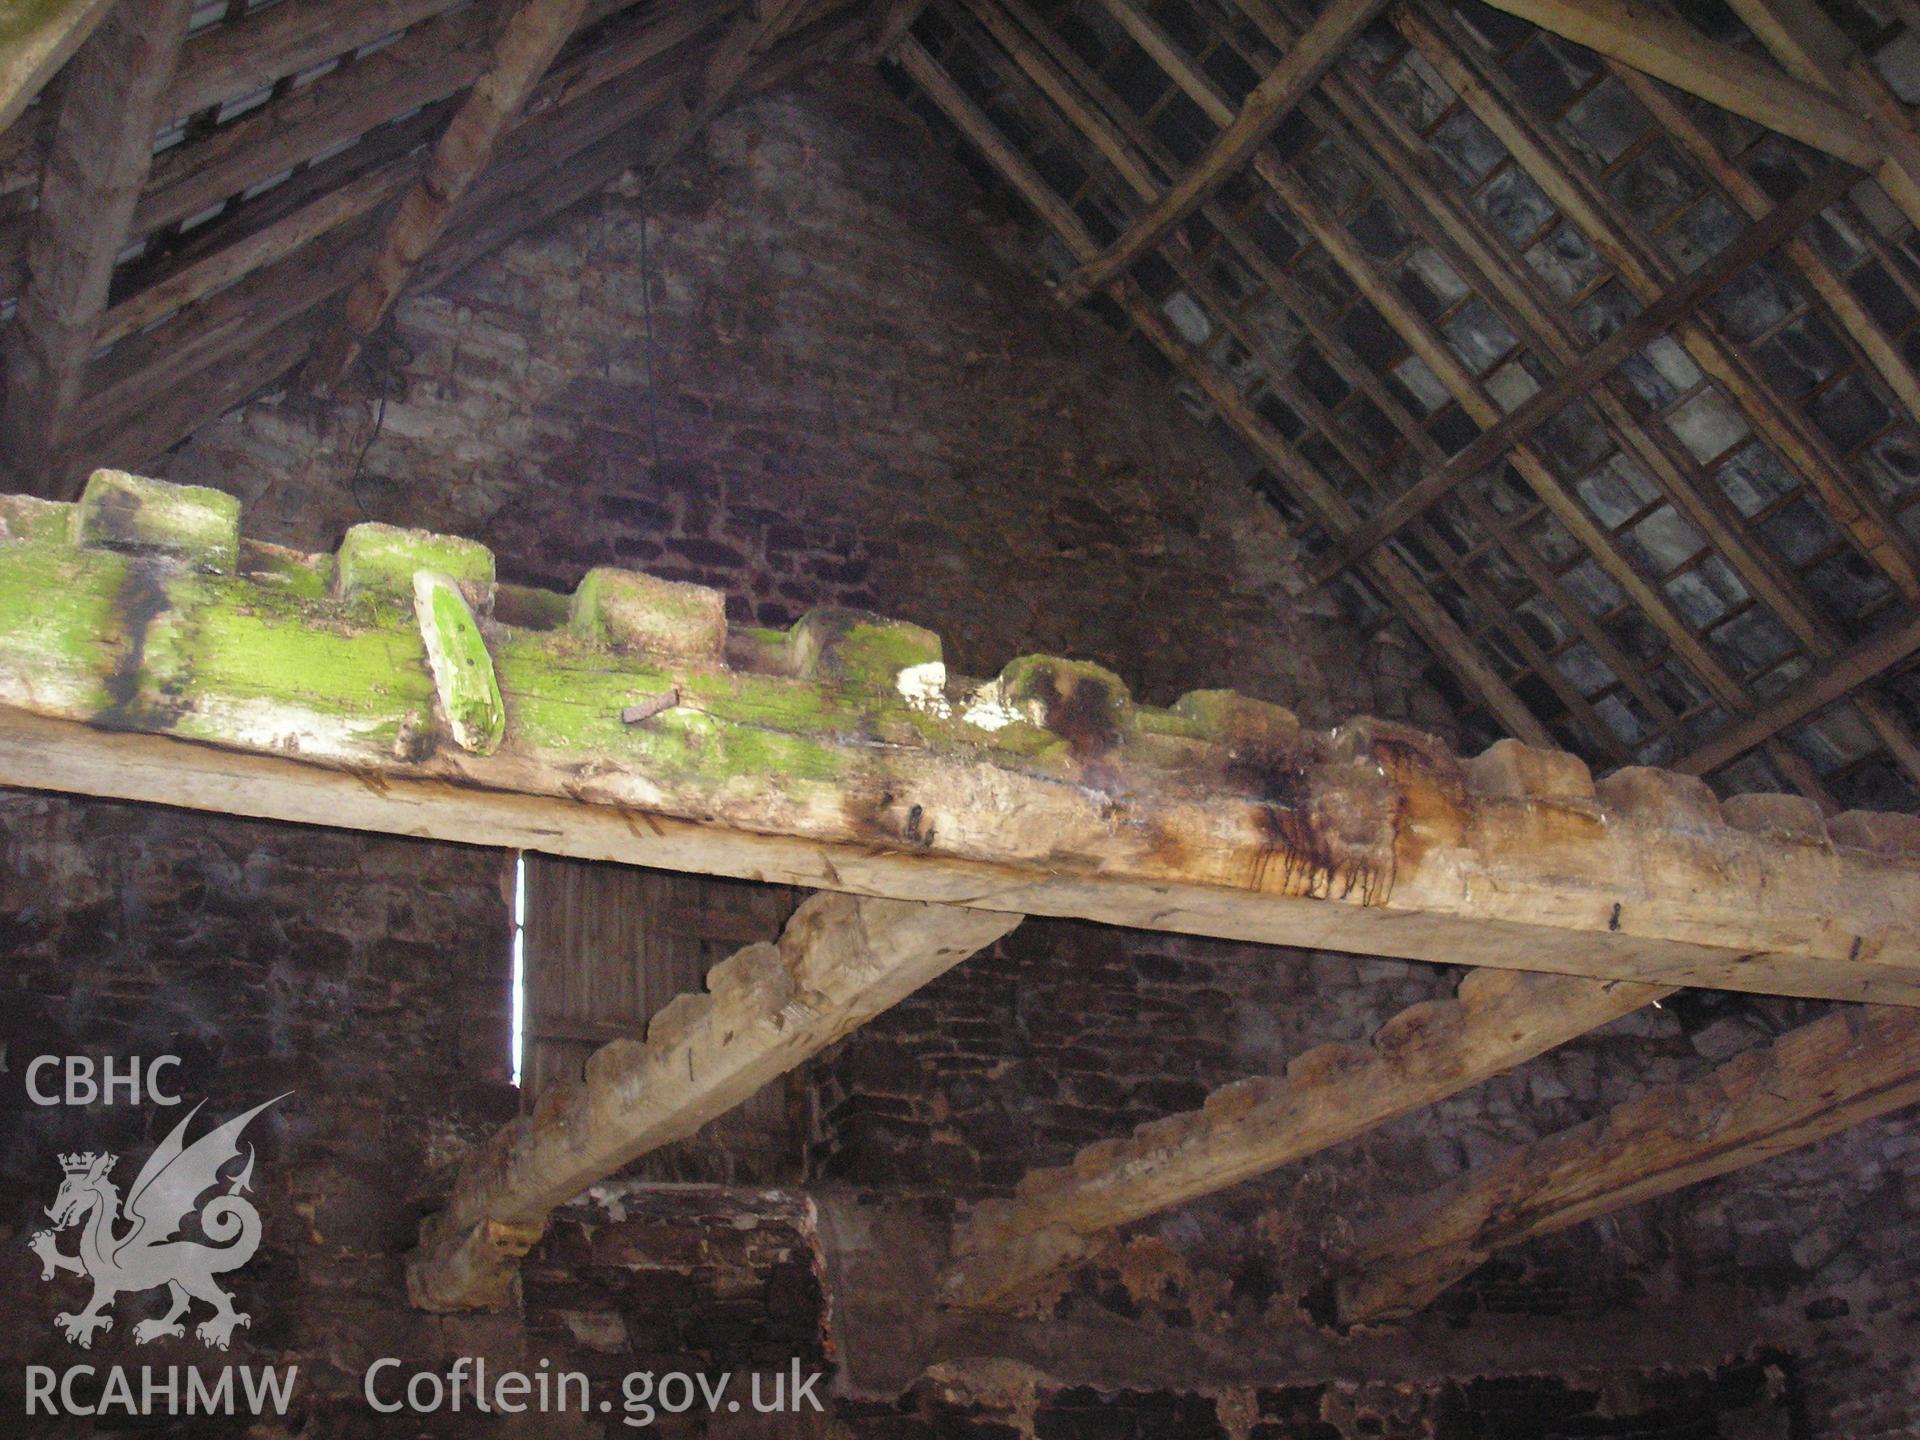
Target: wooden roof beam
<point>102,147</point>
<point>1811,1083</point>
<point>1649,37</point>
<point>767,1008</point>
<point>1835,679</point>
<point>832,756</point>
<point>1011,1251</point>
<point>524,51</point>
<point>1270,102</point>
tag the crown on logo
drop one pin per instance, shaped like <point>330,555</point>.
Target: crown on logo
<point>79,1163</point>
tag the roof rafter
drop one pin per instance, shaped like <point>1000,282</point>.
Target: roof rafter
<point>1316,48</point>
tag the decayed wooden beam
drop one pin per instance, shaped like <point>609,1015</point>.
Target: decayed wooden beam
<point>1011,1250</point>
<point>1046,790</point>
<point>1305,61</point>
<point>35,41</point>
<point>1649,37</point>
<point>839,962</point>
<point>1596,365</point>
<point>1810,1083</point>
<point>1405,591</point>
<point>102,147</point>
<point>532,38</point>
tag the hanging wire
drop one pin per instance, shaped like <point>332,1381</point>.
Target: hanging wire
<point>387,340</point>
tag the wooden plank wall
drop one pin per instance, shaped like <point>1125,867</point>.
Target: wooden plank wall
<point>606,946</point>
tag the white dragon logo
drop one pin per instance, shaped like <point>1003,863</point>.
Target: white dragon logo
<point>146,1256</point>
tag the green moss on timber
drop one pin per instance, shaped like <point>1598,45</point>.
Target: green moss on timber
<point>22,517</point>
<point>463,673</point>
<point>1231,718</point>
<point>1155,721</point>
<point>566,704</point>
<point>309,577</point>
<point>130,512</point>
<point>238,662</point>
<point>768,652</point>
<point>633,611</point>
<point>381,559</point>
<point>58,625</point>
<point>857,648</point>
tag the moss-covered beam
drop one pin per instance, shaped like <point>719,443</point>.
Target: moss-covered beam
<point>841,755</point>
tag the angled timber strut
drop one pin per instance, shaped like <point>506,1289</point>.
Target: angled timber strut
<point>532,37</point>
<point>1011,1250</point>
<point>840,962</point>
<point>147,652</point>
<point>1840,1070</point>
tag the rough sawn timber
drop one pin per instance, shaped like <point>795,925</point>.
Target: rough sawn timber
<point>146,652</point>
<point>839,962</point>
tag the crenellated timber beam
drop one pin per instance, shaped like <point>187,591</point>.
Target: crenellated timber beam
<point>839,962</point>
<point>148,652</point>
<point>1011,1251</point>
<point>1810,1083</point>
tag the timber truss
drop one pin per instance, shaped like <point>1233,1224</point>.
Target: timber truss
<point>150,652</point>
